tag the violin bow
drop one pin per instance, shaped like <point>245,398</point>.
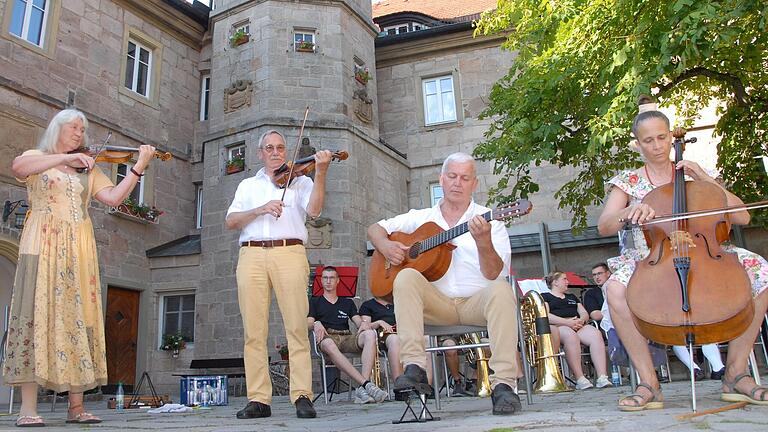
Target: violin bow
<point>100,149</point>
<point>702,213</point>
<point>295,153</point>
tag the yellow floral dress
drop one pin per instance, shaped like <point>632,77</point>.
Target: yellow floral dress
<point>56,335</point>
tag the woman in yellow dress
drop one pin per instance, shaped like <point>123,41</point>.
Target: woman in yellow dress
<point>56,334</point>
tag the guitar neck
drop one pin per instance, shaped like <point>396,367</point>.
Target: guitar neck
<point>450,234</point>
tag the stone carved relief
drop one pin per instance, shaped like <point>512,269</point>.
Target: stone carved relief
<point>363,105</point>
<point>238,95</point>
<point>319,233</point>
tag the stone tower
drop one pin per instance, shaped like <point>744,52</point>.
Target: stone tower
<point>269,60</point>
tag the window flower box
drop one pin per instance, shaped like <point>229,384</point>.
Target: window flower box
<point>238,38</point>
<point>173,343</point>
<point>305,46</point>
<point>363,76</point>
<point>235,165</point>
<point>140,213</point>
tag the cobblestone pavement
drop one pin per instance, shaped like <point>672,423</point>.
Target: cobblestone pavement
<point>590,410</point>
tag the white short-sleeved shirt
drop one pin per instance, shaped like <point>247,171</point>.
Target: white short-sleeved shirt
<point>463,278</point>
<point>258,190</point>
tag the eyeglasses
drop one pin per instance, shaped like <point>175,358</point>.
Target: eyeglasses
<point>598,274</point>
<point>271,149</point>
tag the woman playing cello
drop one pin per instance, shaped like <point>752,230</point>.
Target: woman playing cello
<point>651,129</point>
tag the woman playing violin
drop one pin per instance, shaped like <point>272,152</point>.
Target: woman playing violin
<point>651,129</point>
<point>56,336</point>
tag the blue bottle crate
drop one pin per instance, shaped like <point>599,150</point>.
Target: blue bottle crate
<point>203,390</point>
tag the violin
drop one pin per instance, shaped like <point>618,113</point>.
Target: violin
<point>303,166</point>
<point>689,290</point>
<point>116,154</point>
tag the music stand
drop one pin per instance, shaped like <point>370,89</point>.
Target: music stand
<point>347,281</point>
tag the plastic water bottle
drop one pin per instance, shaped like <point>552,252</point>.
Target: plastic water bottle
<point>615,375</point>
<point>204,396</point>
<point>119,397</point>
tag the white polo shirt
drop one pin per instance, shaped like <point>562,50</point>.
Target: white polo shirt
<point>258,190</point>
<point>463,278</point>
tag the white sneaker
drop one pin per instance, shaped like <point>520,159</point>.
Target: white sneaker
<point>362,396</point>
<point>603,381</point>
<point>376,393</point>
<point>583,383</point>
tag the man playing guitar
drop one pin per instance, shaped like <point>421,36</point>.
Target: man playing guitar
<point>473,291</point>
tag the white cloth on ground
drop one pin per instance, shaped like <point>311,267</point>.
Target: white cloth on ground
<point>170,408</point>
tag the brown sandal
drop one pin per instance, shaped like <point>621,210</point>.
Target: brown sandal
<point>654,402</point>
<point>83,417</point>
<point>30,421</point>
<point>732,394</point>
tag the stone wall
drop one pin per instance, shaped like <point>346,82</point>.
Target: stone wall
<point>82,68</point>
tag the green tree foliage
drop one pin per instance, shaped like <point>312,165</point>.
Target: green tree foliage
<point>581,65</point>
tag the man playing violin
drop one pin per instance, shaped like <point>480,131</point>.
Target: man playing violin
<point>273,258</point>
<point>651,129</point>
<point>474,290</point>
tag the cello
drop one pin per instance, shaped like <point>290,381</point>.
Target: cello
<point>688,290</point>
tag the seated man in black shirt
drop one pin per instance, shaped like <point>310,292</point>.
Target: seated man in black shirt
<point>380,315</point>
<point>329,317</point>
<point>593,298</point>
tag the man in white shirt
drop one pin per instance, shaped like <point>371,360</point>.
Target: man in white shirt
<point>272,258</point>
<point>474,290</point>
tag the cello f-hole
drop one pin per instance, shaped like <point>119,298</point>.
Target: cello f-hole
<point>716,256</point>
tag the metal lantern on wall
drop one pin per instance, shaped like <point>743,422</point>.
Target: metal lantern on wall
<point>19,215</point>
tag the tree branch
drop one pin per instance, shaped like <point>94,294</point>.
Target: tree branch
<point>740,93</point>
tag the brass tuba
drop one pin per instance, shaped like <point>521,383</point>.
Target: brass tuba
<point>538,338</point>
<point>381,337</point>
<point>480,358</point>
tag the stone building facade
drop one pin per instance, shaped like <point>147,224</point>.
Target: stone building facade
<point>371,75</point>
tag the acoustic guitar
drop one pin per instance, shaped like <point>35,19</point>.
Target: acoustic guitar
<point>430,251</point>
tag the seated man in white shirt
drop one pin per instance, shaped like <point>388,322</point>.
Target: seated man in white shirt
<point>474,290</point>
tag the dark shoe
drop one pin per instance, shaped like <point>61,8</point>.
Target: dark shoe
<point>699,375</point>
<point>254,410</point>
<point>505,400</point>
<point>414,377</point>
<point>717,375</point>
<point>304,408</point>
<point>458,389</point>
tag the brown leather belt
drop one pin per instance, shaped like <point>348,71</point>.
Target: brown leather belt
<point>272,243</point>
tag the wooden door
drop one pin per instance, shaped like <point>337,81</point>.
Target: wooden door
<point>121,328</point>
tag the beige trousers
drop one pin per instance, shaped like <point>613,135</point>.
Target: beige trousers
<point>418,302</point>
<point>285,271</point>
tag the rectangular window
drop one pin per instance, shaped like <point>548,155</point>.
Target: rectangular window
<point>28,20</point>
<point>137,195</point>
<point>242,28</point>
<point>198,206</point>
<point>439,101</point>
<point>205,93</point>
<point>237,151</point>
<point>435,193</point>
<point>138,68</point>
<point>303,40</point>
<point>178,316</point>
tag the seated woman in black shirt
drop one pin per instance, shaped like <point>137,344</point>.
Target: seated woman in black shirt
<point>381,316</point>
<point>569,318</point>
